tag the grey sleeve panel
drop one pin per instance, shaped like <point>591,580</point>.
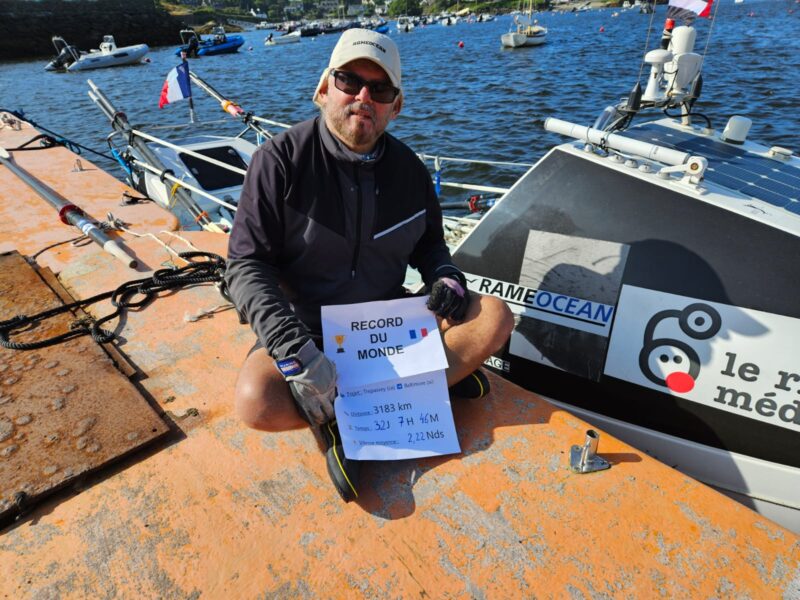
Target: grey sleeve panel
<point>254,288</point>
<point>254,246</point>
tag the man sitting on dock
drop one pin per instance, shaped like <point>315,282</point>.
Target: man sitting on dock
<point>333,211</point>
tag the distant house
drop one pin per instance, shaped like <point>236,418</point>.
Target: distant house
<point>329,6</point>
<point>294,8</point>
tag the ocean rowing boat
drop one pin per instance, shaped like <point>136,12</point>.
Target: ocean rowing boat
<point>653,271</point>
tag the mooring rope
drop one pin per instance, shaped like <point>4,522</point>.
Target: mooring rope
<point>210,270</point>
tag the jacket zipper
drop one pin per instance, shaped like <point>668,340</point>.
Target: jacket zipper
<point>359,208</point>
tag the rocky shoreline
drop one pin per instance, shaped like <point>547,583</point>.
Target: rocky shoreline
<point>26,27</point>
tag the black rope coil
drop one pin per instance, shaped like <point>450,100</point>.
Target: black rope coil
<point>209,270</point>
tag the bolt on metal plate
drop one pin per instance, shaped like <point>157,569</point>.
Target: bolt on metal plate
<point>584,459</point>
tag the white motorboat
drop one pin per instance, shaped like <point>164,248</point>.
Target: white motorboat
<point>405,24</point>
<point>653,272</point>
<point>286,38</point>
<point>69,58</point>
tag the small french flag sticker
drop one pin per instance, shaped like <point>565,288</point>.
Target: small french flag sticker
<point>417,333</point>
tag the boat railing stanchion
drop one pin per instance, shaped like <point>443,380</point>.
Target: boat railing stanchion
<point>584,459</point>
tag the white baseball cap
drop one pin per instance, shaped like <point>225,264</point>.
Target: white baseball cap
<point>364,43</point>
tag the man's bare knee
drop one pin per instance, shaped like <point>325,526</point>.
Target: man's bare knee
<point>502,317</point>
<point>262,397</point>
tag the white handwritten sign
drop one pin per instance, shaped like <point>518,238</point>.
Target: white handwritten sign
<point>378,341</point>
<point>393,401</point>
<point>396,419</point>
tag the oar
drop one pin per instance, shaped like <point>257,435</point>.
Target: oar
<point>69,213</point>
<point>229,106</point>
<point>119,122</point>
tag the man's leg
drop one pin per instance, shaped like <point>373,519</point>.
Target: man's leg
<point>263,401</point>
<point>262,397</point>
<point>486,327</point>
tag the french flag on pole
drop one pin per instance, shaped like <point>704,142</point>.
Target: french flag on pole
<point>177,86</point>
<point>686,10</point>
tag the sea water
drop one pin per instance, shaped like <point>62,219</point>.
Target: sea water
<point>478,101</point>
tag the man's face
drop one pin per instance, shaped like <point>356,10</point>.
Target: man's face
<point>357,120</point>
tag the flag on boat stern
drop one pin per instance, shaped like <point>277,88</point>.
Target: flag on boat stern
<point>177,86</point>
<point>687,10</point>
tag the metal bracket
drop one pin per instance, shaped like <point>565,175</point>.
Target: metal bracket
<point>693,170</point>
<point>584,459</point>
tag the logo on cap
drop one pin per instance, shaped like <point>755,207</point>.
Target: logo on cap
<point>378,46</point>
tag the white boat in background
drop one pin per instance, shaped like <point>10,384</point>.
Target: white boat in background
<point>530,35</point>
<point>528,31</point>
<point>286,38</point>
<point>405,24</point>
<point>69,58</point>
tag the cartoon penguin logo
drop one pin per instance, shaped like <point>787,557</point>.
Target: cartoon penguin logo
<point>671,362</point>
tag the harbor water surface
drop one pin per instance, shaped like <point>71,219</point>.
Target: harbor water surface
<point>478,101</point>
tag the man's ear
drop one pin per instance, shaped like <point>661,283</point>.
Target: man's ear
<point>323,91</point>
<point>398,104</point>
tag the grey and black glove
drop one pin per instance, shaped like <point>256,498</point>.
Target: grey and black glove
<point>449,297</point>
<point>312,380</point>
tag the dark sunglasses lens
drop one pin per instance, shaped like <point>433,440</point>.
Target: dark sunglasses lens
<point>351,84</point>
<point>348,83</point>
<point>382,92</point>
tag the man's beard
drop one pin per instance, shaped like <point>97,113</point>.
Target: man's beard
<point>353,134</point>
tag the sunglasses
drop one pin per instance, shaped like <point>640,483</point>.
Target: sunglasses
<point>350,83</point>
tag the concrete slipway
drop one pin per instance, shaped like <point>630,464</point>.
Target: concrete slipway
<point>212,509</point>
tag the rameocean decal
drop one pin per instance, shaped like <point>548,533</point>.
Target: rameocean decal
<point>561,309</point>
<point>734,359</point>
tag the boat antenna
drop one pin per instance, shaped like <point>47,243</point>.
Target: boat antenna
<point>710,29</point>
<point>647,39</point>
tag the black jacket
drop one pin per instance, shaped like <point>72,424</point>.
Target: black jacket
<point>318,225</point>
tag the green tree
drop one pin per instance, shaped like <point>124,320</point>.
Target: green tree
<point>404,7</point>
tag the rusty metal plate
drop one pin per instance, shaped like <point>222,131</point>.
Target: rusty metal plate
<point>65,410</point>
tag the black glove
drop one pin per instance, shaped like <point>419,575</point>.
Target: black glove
<point>449,297</point>
<point>312,381</point>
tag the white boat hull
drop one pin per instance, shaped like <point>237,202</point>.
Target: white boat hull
<point>222,184</point>
<point>289,38</point>
<point>520,40</point>
<point>127,55</point>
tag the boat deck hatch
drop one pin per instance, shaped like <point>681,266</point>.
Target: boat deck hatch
<point>65,410</point>
<point>211,177</point>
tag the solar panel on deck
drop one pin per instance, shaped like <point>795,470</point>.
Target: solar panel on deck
<point>772,181</point>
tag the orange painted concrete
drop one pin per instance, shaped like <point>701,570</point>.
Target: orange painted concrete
<point>220,511</point>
